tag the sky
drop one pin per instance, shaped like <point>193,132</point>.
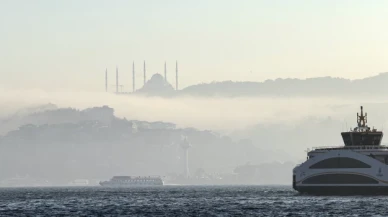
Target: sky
<point>59,45</point>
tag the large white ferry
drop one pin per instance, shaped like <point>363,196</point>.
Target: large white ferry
<point>358,167</point>
<point>129,181</point>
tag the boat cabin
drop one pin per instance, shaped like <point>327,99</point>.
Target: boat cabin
<point>362,135</point>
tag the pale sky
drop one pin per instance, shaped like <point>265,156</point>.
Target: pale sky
<point>67,44</point>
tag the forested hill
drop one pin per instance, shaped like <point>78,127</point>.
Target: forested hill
<point>320,86</point>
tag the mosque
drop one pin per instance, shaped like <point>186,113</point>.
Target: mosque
<point>156,86</point>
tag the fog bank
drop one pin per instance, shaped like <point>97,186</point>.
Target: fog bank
<point>220,114</point>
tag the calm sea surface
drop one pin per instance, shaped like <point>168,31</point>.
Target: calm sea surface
<point>183,201</point>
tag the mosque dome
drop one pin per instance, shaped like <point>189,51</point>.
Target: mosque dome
<point>157,85</point>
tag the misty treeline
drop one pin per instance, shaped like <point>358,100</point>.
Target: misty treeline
<point>320,86</point>
<point>63,144</point>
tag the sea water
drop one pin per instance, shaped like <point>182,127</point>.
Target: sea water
<point>183,201</point>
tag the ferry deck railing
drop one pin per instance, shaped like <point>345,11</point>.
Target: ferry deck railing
<point>362,147</point>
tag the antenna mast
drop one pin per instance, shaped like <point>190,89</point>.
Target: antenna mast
<point>361,119</point>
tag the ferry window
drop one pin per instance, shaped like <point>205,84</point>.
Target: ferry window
<point>340,179</point>
<point>347,139</point>
<point>339,162</point>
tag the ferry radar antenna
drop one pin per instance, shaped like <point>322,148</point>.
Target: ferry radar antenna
<point>361,119</point>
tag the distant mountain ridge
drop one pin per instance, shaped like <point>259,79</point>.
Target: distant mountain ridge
<point>319,86</point>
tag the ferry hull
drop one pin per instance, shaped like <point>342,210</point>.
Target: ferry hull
<point>342,190</point>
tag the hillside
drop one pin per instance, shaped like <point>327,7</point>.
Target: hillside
<point>64,144</point>
<point>320,86</point>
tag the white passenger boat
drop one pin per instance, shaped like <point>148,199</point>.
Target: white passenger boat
<point>358,167</point>
<point>129,181</point>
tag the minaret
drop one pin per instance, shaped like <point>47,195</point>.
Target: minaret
<point>133,76</point>
<point>145,78</point>
<point>117,80</point>
<point>165,72</point>
<point>185,145</point>
<point>176,76</point>
<point>106,80</point>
